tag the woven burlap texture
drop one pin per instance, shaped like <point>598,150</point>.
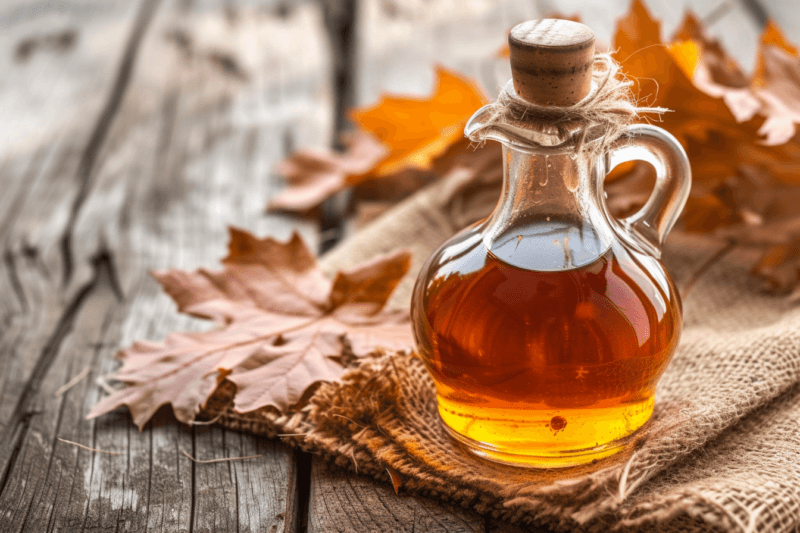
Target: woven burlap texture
<point>722,451</point>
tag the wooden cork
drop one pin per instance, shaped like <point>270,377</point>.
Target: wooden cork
<point>551,61</point>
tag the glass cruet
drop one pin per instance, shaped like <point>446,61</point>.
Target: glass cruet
<point>547,325</point>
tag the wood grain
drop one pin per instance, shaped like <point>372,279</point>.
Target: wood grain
<point>342,502</point>
<point>175,145</point>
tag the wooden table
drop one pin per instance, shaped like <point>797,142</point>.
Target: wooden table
<point>132,133</point>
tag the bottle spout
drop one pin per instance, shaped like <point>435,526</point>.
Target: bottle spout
<point>481,123</point>
<point>485,125</point>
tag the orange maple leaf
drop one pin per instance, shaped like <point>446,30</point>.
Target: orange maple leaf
<point>416,130</point>
<point>772,35</point>
<point>401,140</point>
<point>686,54</point>
<point>662,81</point>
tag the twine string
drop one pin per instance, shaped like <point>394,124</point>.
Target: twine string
<point>608,110</point>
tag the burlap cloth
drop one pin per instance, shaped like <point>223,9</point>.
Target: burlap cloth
<point>722,451</point>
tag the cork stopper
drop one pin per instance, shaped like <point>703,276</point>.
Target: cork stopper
<point>551,61</point>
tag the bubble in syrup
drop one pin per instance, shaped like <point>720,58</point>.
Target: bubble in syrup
<point>543,180</point>
<point>571,182</point>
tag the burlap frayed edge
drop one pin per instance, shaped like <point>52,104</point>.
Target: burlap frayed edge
<point>369,449</point>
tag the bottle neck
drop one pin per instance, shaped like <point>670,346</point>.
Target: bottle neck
<point>550,215</point>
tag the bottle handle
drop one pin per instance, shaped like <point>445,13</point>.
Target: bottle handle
<point>651,224</point>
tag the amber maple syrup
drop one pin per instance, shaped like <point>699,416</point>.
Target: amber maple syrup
<point>547,350</point>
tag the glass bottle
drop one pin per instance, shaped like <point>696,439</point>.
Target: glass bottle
<point>547,325</point>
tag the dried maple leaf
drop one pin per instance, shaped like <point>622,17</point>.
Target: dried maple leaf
<point>702,122</point>
<point>312,176</point>
<point>777,84</point>
<point>745,170</point>
<point>773,91</point>
<point>636,31</point>
<point>773,36</point>
<point>721,68</point>
<point>686,54</point>
<point>715,72</point>
<point>282,325</point>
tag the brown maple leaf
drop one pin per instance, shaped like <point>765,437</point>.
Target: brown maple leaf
<point>282,325</point>
<point>312,175</point>
<point>773,36</point>
<point>745,163</point>
<point>777,84</point>
<point>478,167</point>
<point>715,72</point>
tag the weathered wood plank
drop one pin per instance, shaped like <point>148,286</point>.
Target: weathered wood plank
<point>215,127</point>
<point>43,310</point>
<point>56,74</point>
<point>218,93</point>
<point>346,503</point>
<point>36,485</point>
<point>40,163</point>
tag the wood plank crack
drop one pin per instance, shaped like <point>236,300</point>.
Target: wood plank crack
<point>17,428</point>
<point>100,131</point>
<point>14,439</point>
<point>340,23</point>
<point>192,506</point>
<point>13,278</point>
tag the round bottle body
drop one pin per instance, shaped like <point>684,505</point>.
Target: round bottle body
<point>544,367</point>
